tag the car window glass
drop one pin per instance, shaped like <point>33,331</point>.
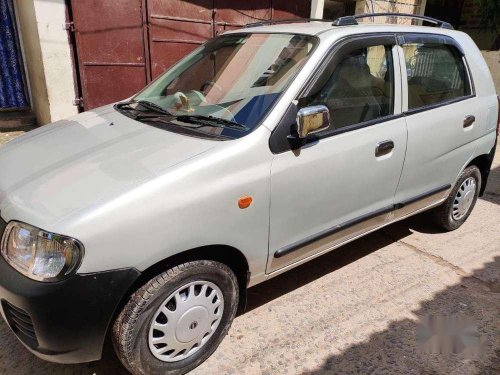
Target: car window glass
<point>436,74</point>
<point>361,87</point>
<point>235,77</point>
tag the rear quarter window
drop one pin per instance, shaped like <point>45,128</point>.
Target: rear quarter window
<point>436,74</point>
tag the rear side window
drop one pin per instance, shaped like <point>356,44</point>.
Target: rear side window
<point>436,74</point>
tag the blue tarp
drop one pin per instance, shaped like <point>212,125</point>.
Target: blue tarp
<point>12,90</point>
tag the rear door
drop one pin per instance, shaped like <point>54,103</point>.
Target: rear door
<point>340,183</point>
<point>440,113</point>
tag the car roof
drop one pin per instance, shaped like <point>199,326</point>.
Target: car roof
<point>326,27</point>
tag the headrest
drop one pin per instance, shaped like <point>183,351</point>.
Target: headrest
<point>355,71</point>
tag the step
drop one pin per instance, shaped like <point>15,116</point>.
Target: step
<point>16,119</point>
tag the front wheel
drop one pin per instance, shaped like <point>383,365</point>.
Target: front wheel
<point>177,319</point>
<point>456,209</point>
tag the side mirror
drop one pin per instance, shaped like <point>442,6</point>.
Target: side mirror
<point>312,120</point>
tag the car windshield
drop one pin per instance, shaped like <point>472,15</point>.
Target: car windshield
<point>226,86</point>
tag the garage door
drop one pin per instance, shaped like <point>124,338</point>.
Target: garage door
<point>121,45</point>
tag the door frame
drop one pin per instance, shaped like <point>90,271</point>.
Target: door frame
<point>279,143</point>
<point>413,37</point>
<point>73,52</point>
<point>77,63</point>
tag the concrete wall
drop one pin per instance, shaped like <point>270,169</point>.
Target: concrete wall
<point>317,7</point>
<point>47,56</point>
<point>384,6</point>
<point>30,44</point>
<point>379,6</point>
<point>493,60</point>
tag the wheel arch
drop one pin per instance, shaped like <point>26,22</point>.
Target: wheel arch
<point>228,255</point>
<point>483,163</point>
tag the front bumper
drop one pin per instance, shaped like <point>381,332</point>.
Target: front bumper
<point>67,321</point>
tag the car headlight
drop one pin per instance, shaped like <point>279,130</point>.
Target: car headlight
<point>40,255</point>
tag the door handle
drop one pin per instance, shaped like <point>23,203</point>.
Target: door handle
<point>469,120</point>
<point>384,148</point>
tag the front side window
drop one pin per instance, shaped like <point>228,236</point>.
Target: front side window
<point>436,74</point>
<point>226,86</point>
<point>361,87</point>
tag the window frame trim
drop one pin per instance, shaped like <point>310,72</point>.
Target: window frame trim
<point>361,125</point>
<point>405,38</point>
<point>438,105</point>
<point>279,144</point>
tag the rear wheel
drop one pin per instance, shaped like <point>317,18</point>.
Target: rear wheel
<point>177,319</point>
<point>462,199</point>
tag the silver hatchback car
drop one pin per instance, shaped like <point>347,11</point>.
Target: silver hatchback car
<point>262,149</point>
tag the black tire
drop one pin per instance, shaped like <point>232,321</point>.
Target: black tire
<point>131,328</point>
<point>443,214</point>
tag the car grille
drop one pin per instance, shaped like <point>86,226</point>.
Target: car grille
<point>20,322</point>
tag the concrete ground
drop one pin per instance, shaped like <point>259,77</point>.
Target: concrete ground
<point>356,310</point>
<point>6,136</point>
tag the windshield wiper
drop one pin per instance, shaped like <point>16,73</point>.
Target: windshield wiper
<point>154,107</point>
<point>124,105</point>
<point>146,104</point>
<point>200,120</point>
<point>160,121</point>
<point>211,121</point>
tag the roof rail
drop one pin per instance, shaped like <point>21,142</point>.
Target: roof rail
<point>352,20</point>
<point>288,20</point>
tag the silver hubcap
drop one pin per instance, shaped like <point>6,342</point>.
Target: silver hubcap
<point>185,321</point>
<point>464,198</point>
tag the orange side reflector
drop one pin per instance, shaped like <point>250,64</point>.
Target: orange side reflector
<point>245,202</point>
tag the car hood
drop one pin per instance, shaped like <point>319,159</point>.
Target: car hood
<point>76,163</point>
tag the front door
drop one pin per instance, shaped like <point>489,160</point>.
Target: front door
<point>342,183</point>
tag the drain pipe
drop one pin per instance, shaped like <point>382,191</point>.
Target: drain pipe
<point>373,10</point>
